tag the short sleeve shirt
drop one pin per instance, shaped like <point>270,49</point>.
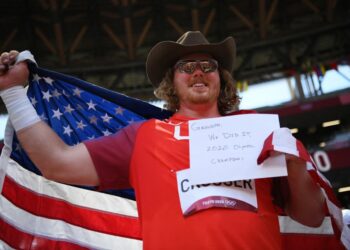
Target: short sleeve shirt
<point>149,162</point>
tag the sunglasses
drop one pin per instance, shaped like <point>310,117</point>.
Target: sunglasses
<point>189,66</point>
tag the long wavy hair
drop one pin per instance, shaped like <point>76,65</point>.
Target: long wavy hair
<point>228,100</point>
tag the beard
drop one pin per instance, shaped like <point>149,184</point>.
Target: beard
<point>201,98</point>
<point>198,97</point>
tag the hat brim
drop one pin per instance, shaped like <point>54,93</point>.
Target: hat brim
<point>165,54</point>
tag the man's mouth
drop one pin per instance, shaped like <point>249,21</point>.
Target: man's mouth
<point>199,85</point>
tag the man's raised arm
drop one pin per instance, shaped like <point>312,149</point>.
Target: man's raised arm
<point>55,159</point>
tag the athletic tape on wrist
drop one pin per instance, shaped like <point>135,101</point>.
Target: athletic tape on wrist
<point>25,55</point>
<point>21,112</point>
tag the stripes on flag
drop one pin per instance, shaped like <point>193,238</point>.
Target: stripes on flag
<point>37,212</point>
<point>290,226</point>
<point>282,141</point>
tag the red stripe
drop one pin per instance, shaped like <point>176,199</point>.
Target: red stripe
<point>303,154</point>
<point>20,240</point>
<point>266,150</point>
<point>328,189</point>
<point>53,208</point>
<point>307,241</point>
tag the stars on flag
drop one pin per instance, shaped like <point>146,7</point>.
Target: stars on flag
<point>67,130</point>
<point>57,114</point>
<point>81,125</point>
<point>76,110</point>
<point>91,105</point>
<point>43,117</point>
<point>18,147</point>
<point>106,118</point>
<point>33,101</point>
<point>75,113</point>
<point>93,119</point>
<point>68,109</point>
<point>77,92</point>
<point>79,107</point>
<point>119,110</point>
<point>56,93</point>
<point>106,132</point>
<point>48,80</point>
<point>46,95</point>
<point>65,93</point>
<point>36,77</point>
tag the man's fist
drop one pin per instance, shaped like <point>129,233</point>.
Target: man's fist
<point>12,74</point>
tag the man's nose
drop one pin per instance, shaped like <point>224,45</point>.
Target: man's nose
<point>198,70</point>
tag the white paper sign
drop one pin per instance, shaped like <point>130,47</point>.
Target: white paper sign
<point>226,148</point>
<point>239,195</point>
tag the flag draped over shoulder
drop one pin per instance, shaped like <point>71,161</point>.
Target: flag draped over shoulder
<point>36,213</point>
<point>333,233</point>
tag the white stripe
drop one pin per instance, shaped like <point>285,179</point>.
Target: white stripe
<point>310,167</point>
<point>345,237</point>
<point>323,178</point>
<point>77,196</point>
<point>283,141</point>
<point>334,210</point>
<point>288,225</point>
<point>4,246</point>
<point>286,150</point>
<point>6,152</point>
<point>336,213</point>
<point>60,230</point>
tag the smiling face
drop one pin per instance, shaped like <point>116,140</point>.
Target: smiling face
<point>197,87</point>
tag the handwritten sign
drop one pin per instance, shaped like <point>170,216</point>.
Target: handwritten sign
<point>227,148</point>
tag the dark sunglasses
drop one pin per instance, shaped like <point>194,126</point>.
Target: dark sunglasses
<point>189,66</point>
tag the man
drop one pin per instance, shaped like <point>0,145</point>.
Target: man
<point>194,77</point>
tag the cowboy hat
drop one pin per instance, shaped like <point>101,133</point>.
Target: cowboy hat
<point>165,54</point>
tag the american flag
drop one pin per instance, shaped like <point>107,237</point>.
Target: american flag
<point>333,233</point>
<point>36,213</point>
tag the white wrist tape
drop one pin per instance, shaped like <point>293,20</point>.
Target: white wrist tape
<point>25,55</point>
<point>21,112</point>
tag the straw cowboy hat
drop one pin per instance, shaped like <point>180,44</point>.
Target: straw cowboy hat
<point>165,54</point>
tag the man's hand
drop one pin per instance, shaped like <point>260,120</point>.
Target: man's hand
<point>55,159</point>
<point>12,74</point>
<point>303,197</point>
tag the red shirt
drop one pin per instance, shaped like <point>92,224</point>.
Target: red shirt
<point>155,157</point>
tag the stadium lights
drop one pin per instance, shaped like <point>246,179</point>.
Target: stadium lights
<point>344,189</point>
<point>294,130</point>
<point>331,123</point>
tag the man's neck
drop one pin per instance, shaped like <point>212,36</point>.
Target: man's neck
<point>199,111</point>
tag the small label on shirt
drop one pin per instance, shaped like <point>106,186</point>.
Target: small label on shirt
<point>239,195</point>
